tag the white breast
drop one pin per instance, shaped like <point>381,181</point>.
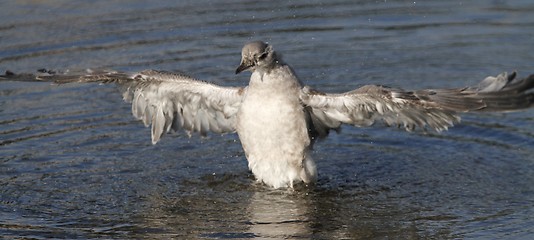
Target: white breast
<point>272,128</point>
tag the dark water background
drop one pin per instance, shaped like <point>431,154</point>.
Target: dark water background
<point>75,164</point>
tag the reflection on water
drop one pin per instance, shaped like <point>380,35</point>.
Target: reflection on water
<point>279,215</point>
<point>75,164</point>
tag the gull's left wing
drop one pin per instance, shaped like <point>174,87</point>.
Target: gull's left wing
<point>437,109</point>
<point>164,100</point>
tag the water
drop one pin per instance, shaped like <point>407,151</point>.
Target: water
<point>75,164</point>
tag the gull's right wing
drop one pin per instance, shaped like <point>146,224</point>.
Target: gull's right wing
<point>164,100</point>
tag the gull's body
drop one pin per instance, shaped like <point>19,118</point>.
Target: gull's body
<point>277,119</point>
<point>272,128</point>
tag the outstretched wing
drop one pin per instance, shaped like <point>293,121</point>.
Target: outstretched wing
<point>431,108</point>
<point>164,100</point>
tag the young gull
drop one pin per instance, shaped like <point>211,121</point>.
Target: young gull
<point>278,119</point>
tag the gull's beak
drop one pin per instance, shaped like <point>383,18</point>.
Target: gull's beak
<point>244,66</point>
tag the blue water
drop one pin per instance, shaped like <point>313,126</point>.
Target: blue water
<point>74,163</point>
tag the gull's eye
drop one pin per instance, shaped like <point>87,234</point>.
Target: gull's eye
<point>262,56</point>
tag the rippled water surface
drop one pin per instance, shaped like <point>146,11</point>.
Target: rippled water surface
<point>75,164</point>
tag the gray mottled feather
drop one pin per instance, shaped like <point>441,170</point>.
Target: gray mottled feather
<point>173,101</point>
<point>436,109</point>
<point>163,100</point>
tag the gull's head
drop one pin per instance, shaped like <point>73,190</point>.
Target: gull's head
<point>256,55</point>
